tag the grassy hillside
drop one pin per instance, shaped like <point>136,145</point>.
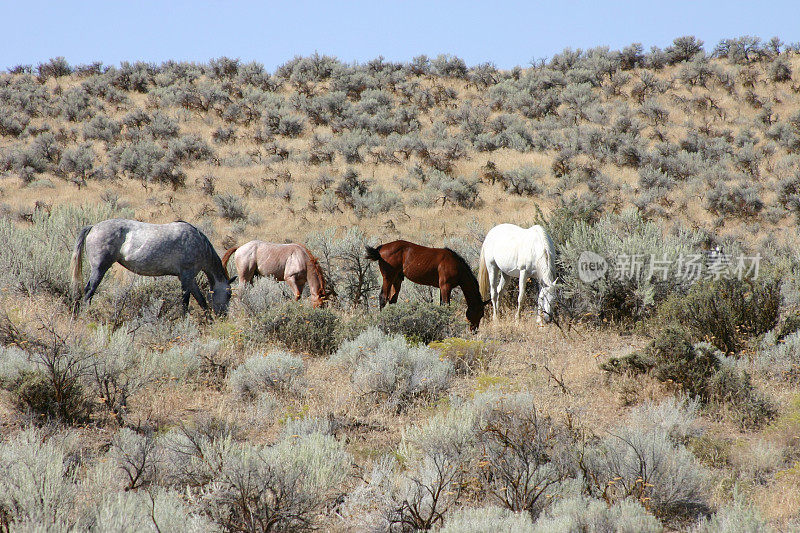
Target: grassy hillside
<point>666,403</point>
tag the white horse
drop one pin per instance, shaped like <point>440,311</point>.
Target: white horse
<point>510,250</point>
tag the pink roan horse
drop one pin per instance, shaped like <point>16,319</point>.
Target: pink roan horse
<point>292,263</point>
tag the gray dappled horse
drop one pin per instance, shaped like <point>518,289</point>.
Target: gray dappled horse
<point>175,249</point>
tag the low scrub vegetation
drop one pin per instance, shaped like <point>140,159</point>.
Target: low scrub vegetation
<point>392,371</point>
<point>129,415</point>
<point>422,323</point>
<point>300,327</point>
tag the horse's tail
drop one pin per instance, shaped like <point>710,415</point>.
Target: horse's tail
<point>227,256</point>
<point>373,254</point>
<point>483,276</point>
<point>549,257</point>
<point>76,264</point>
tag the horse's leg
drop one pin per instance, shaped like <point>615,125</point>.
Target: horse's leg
<point>246,274</point>
<point>190,288</point>
<point>523,280</point>
<point>186,293</point>
<point>444,293</point>
<point>395,292</point>
<point>198,295</point>
<point>297,289</point>
<point>94,279</point>
<point>496,282</point>
<point>388,278</point>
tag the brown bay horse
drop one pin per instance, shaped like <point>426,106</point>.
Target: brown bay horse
<point>436,267</point>
<point>292,263</point>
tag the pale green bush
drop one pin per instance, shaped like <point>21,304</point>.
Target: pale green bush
<point>186,361</point>
<point>675,417</point>
<point>118,369</point>
<point>482,519</point>
<point>262,295</point>
<point>137,456</point>
<point>37,478</point>
<point>307,472</point>
<point>158,510</point>
<point>392,371</point>
<point>644,463</point>
<point>735,517</point>
<point>277,370</point>
<point>582,513</point>
<point>781,360</point>
<point>616,237</point>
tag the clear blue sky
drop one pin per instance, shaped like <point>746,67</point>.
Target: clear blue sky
<point>505,33</point>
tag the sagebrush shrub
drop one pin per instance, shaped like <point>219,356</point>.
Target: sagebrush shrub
<point>387,368</point>
<point>147,162</point>
<point>102,128</point>
<point>521,449</point>
<point>49,380</point>
<point>675,417</point>
<point>779,71</point>
<point>582,513</point>
<point>644,464</point>
<point>285,485</point>
<point>231,206</point>
<point>277,370</point>
<point>55,67</point>
<point>440,454</point>
<point>137,456</point>
<point>300,327</point>
<point>13,122</point>
<point>158,510</point>
<point>76,105</point>
<point>118,369</point>
<point>38,484</point>
<point>699,370</point>
<point>740,200</point>
<point>190,148</point>
<point>78,162</point>
<point>628,289</point>
<point>727,312</point>
<point>262,295</point>
<point>780,360</point>
<point>483,519</point>
<point>420,322</point>
<point>735,517</point>
<point>346,268</point>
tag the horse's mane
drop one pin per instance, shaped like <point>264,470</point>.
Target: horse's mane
<point>318,269</point>
<point>467,269</point>
<point>215,260</point>
<point>227,256</point>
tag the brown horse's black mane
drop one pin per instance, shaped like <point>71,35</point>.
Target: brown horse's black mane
<point>459,258</point>
<point>466,268</point>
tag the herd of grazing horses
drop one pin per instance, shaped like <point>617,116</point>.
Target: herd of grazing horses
<point>180,249</point>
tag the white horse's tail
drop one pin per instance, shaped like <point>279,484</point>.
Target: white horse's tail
<point>483,276</point>
<point>76,264</point>
<point>547,267</point>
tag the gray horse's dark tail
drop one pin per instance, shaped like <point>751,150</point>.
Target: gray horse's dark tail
<point>76,265</point>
